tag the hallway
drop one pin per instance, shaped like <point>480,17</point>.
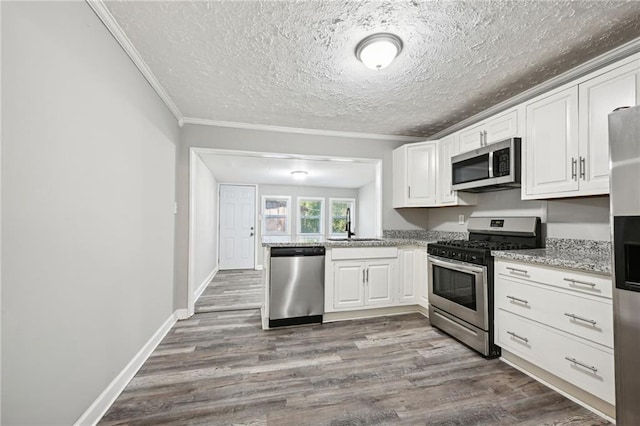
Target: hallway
<point>232,290</point>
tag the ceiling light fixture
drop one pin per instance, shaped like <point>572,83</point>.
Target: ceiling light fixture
<point>377,51</point>
<point>299,174</point>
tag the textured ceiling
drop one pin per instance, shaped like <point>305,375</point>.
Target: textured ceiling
<point>287,63</point>
<point>265,170</point>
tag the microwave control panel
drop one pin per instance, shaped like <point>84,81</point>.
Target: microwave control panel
<point>501,162</point>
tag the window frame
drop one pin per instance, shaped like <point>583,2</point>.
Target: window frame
<point>263,209</point>
<point>353,215</point>
<point>299,217</point>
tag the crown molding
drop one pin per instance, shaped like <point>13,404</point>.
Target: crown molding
<point>114,28</point>
<point>594,64</point>
<point>303,131</point>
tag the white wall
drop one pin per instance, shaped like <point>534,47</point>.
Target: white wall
<point>579,218</point>
<point>366,207</point>
<point>205,254</point>
<point>282,142</point>
<point>88,172</point>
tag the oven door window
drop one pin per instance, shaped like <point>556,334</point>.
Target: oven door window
<point>456,286</point>
<point>471,170</point>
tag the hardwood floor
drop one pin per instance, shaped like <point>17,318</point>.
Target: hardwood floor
<point>232,290</point>
<point>220,368</point>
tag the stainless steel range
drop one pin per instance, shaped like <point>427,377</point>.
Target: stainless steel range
<point>461,277</point>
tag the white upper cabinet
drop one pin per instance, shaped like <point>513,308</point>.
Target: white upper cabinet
<point>598,98</point>
<point>422,175</point>
<point>414,175</point>
<point>446,196</point>
<point>566,149</point>
<point>551,145</point>
<point>501,126</point>
<point>447,148</point>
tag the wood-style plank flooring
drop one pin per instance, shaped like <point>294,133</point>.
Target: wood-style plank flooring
<point>220,368</point>
<point>232,290</point>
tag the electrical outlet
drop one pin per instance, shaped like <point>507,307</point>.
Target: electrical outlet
<point>460,219</point>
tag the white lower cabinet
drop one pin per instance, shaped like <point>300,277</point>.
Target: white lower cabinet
<point>348,280</point>
<point>546,316</point>
<point>359,284</point>
<point>361,278</point>
<point>412,286</point>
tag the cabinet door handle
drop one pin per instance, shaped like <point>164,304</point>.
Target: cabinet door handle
<point>575,317</point>
<point>516,270</point>
<point>574,173</point>
<point>515,299</point>
<point>575,361</point>
<point>367,280</point>
<point>583,167</point>
<point>485,137</point>
<point>572,281</point>
<point>363,276</point>
<point>524,339</point>
<point>481,141</point>
<point>409,191</point>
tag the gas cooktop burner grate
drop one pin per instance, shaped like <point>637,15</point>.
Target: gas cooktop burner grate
<point>483,245</point>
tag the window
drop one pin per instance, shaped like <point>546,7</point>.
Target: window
<point>338,209</point>
<point>310,216</point>
<point>275,215</point>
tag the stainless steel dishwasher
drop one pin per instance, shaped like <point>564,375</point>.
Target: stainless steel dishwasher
<point>296,294</point>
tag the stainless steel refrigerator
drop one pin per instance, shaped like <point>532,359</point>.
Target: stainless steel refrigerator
<point>624,141</point>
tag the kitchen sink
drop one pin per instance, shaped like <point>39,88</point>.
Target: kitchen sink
<point>354,239</point>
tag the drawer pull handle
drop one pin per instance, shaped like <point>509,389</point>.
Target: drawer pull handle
<point>575,317</point>
<point>522,271</point>
<point>515,299</point>
<point>572,281</point>
<point>575,361</point>
<point>524,339</point>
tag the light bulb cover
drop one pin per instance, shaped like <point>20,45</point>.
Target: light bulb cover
<point>378,50</point>
<point>299,174</point>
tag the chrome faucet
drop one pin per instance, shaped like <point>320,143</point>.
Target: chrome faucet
<point>348,227</point>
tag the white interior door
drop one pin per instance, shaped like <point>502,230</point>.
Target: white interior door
<point>237,221</point>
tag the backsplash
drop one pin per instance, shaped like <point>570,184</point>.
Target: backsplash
<point>574,245</point>
<point>420,234</point>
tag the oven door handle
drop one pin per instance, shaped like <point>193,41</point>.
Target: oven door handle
<point>455,265</point>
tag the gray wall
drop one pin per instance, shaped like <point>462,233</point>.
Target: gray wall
<point>293,143</point>
<point>367,204</point>
<point>205,224</point>
<point>88,172</point>
<point>581,218</point>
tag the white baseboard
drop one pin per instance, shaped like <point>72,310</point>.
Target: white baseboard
<point>259,268</point>
<point>369,313</point>
<point>182,314</point>
<point>424,311</point>
<point>99,407</point>
<point>203,285</point>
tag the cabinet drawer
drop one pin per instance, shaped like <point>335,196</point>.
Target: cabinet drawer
<point>581,282</point>
<point>570,358</point>
<point>589,318</point>
<point>364,253</point>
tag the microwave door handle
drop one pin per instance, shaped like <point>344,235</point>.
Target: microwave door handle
<point>491,171</point>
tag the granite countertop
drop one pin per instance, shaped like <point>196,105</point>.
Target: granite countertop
<point>580,255</point>
<point>391,238</point>
<point>324,242</point>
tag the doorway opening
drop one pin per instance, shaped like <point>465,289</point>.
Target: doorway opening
<point>220,240</point>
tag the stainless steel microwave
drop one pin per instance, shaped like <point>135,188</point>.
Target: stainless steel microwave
<point>489,168</point>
